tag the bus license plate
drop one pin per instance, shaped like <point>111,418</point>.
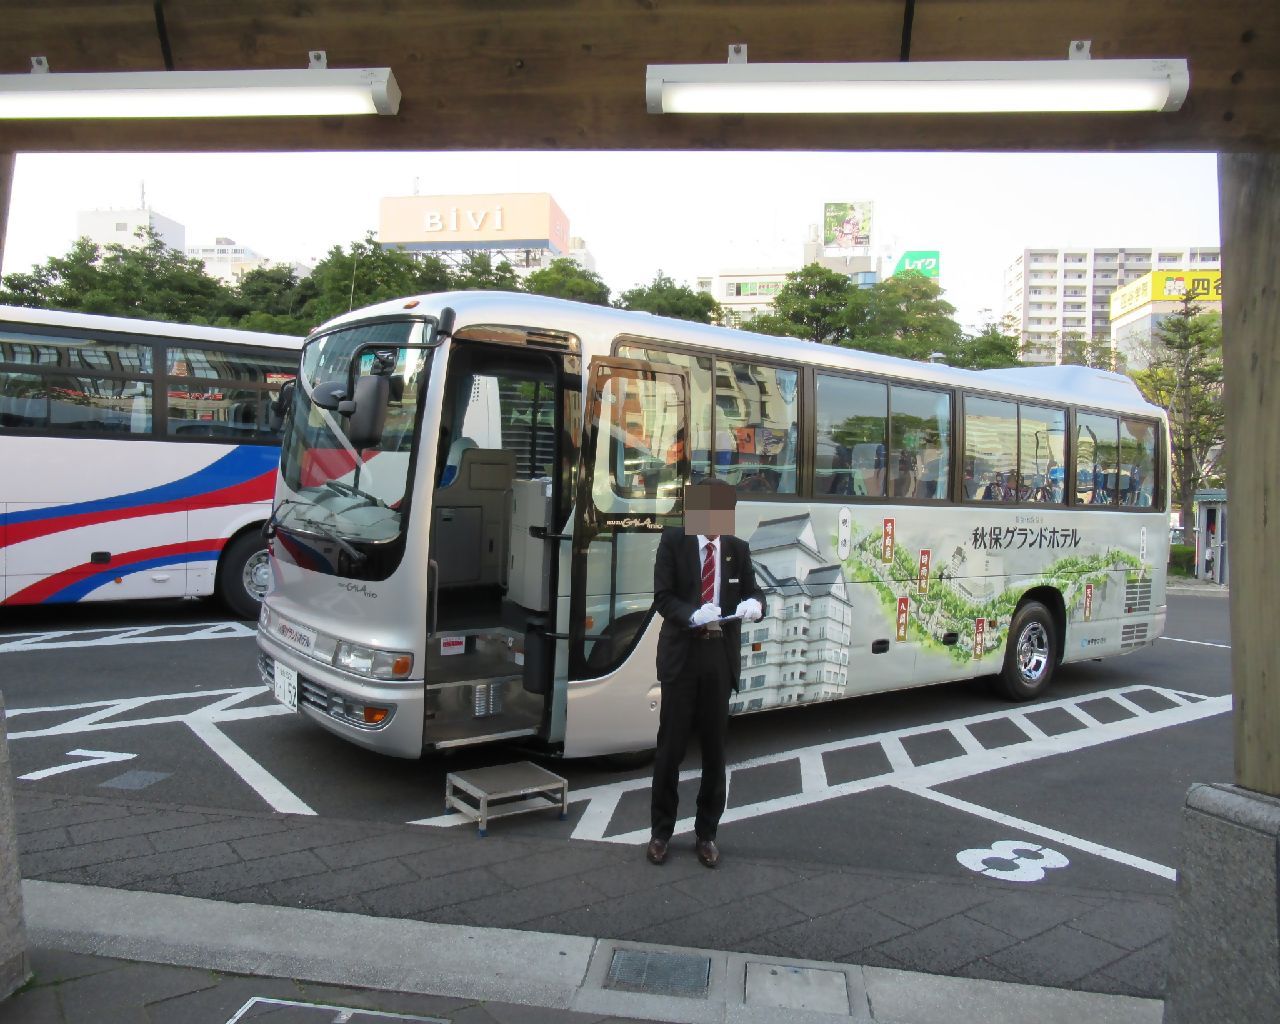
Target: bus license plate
<point>286,686</point>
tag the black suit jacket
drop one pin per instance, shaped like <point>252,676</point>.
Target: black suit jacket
<point>677,594</point>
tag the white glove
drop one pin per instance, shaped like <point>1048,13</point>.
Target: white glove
<point>750,610</point>
<point>705,614</point>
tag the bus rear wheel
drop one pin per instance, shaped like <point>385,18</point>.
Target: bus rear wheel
<point>1031,654</point>
<point>244,573</point>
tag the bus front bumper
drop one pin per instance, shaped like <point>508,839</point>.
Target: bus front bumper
<point>335,701</point>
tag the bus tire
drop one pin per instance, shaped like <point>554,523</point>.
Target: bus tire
<point>1031,654</point>
<point>243,575</point>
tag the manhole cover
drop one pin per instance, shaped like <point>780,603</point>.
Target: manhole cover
<point>667,974</point>
<point>659,973</point>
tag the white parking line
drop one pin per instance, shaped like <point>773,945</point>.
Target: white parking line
<point>1198,643</point>
<point>218,706</point>
<point>63,639</point>
<point>1044,832</point>
<point>1178,708</point>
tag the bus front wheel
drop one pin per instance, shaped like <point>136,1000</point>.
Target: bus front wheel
<point>1032,653</point>
<point>243,575</point>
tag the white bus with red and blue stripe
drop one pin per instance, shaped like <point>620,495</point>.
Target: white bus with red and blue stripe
<point>139,458</point>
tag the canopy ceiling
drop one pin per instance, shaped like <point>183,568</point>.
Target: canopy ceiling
<point>569,74</point>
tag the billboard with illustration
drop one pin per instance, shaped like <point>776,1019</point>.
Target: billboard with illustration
<point>846,228</point>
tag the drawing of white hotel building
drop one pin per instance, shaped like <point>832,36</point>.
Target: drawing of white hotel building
<point>799,651</point>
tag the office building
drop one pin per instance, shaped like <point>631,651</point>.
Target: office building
<point>125,227</point>
<point>1138,309</point>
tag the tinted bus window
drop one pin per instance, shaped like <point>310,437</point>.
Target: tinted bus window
<point>990,450</point>
<point>920,443</point>
<point>1097,445</point>
<point>852,421</point>
<point>1041,463</point>
<point>1138,446</point>
<point>757,427</point>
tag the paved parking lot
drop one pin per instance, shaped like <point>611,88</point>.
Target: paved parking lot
<point>1058,819</point>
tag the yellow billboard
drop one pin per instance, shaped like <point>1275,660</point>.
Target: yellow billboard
<point>1167,286</point>
<point>514,220</point>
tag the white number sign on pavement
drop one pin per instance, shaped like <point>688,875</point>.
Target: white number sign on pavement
<point>1027,868</point>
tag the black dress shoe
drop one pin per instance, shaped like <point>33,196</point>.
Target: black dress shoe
<point>708,853</point>
<point>656,851</point>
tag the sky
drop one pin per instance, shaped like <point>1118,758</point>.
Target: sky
<point>687,214</point>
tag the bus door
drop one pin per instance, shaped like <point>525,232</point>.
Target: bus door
<point>634,469</point>
<point>498,506</point>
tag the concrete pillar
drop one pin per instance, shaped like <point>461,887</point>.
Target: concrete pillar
<point>1225,964</point>
<point>7,161</point>
<point>14,966</point>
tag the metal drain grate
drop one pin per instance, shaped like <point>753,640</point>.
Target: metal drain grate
<point>666,974</point>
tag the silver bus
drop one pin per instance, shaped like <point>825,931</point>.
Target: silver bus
<point>473,485</point>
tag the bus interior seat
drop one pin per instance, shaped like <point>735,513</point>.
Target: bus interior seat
<point>472,519</point>
<point>452,463</point>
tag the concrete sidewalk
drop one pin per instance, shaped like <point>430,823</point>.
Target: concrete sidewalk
<point>177,958</point>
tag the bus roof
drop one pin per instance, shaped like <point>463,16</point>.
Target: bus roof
<point>151,328</point>
<point>599,325</point>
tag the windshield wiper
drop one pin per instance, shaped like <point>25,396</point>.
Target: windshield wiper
<point>356,555</point>
<point>348,491</point>
<point>274,520</point>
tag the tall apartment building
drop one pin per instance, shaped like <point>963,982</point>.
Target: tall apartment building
<point>1054,296</point>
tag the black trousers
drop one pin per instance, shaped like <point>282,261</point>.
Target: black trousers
<point>697,699</point>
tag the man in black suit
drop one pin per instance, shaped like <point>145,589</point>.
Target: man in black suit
<point>699,571</point>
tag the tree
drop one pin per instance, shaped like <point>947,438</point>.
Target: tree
<point>269,299</point>
<point>1185,379</point>
<point>1080,349</point>
<point>567,279</point>
<point>813,304</point>
<point>478,271</point>
<point>992,348</point>
<point>666,298</point>
<point>904,316</point>
<point>149,281</point>
<point>366,274</point>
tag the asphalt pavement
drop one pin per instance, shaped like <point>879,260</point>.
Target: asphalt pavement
<point>907,939</point>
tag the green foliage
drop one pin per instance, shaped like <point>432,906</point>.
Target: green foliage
<point>1185,379</point>
<point>992,348</point>
<point>1182,559</point>
<point>904,316</point>
<point>149,282</point>
<point>813,304</point>
<point>478,272</point>
<point>366,274</point>
<point>666,298</point>
<point>567,279</point>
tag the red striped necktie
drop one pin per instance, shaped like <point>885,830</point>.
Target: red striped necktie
<point>709,574</point>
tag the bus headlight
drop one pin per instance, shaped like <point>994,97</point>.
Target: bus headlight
<point>366,661</point>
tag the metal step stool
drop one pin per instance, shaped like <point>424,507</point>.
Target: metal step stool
<point>485,793</point>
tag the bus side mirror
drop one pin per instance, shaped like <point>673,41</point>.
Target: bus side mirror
<point>369,415</point>
<point>329,395</point>
<point>278,408</point>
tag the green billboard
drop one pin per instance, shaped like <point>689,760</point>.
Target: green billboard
<point>922,261</point>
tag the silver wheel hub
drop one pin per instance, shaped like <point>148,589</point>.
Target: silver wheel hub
<point>257,574</point>
<point>1033,652</point>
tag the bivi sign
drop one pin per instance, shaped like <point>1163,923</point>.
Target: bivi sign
<point>924,262</point>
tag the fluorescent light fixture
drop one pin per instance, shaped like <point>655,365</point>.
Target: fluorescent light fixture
<point>145,94</point>
<point>937,87</point>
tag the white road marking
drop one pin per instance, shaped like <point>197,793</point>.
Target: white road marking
<point>1042,831</point>
<point>216,706</point>
<point>602,801</point>
<point>1029,869</point>
<point>95,757</point>
<point>1198,643</point>
<point>62,639</point>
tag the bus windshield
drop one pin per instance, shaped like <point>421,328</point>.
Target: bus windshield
<point>347,504</point>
